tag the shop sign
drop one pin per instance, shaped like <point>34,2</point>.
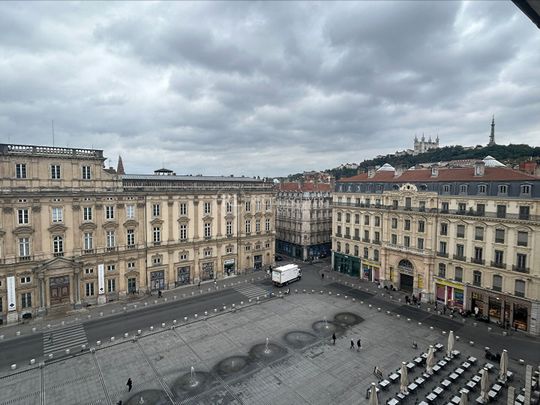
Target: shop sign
<point>101,279</point>
<point>228,261</point>
<point>370,263</point>
<point>11,296</point>
<point>448,283</point>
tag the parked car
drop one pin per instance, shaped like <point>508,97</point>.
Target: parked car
<point>279,258</point>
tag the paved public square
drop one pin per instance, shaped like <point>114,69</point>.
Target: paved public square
<point>232,364</point>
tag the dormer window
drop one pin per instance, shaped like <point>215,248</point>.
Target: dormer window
<point>525,189</point>
<point>482,188</point>
<point>463,189</point>
<point>446,188</point>
<point>503,189</point>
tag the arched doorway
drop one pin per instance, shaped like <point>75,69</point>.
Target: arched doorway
<point>406,275</point>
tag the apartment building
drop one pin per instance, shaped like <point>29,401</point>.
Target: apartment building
<point>466,237</point>
<point>73,233</point>
<point>304,219</point>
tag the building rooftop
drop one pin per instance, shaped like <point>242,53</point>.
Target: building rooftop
<point>157,177</point>
<point>304,187</point>
<point>50,151</point>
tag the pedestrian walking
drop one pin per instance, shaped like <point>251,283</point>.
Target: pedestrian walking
<point>358,345</point>
<point>159,294</point>
<point>444,310</point>
<point>352,344</point>
<point>199,285</point>
<point>334,338</point>
<point>322,276</point>
<point>119,402</point>
<point>129,384</point>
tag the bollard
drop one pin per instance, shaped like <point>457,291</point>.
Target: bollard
<point>18,333</point>
<point>444,332</point>
<point>408,319</point>
<point>151,328</point>
<point>67,351</point>
<point>50,356</point>
<point>139,331</point>
<point>155,301</point>
<point>89,316</point>
<point>304,290</point>
<point>48,326</point>
<point>337,295</point>
<point>125,309</point>
<point>354,299</point>
<point>165,299</point>
<point>98,343</point>
<point>174,297</point>
<point>113,311</point>
<point>215,309</point>
<point>233,305</point>
<point>362,302</point>
<point>505,333</point>
<point>101,314</point>
<point>196,316</point>
<point>63,323</point>
<point>92,350</point>
<point>370,306</point>
<point>33,329</point>
<point>83,347</point>
<point>321,291</point>
<point>489,329</point>
<point>378,309</point>
<point>457,337</point>
<point>146,304</point>
<point>163,324</point>
<point>32,362</point>
<point>431,328</point>
<point>126,335</point>
<point>185,318</point>
<point>193,293</point>
<point>419,323</point>
<point>1,337</point>
<point>471,342</point>
<point>13,366</point>
<point>225,306</point>
<point>329,292</point>
<point>312,291</point>
<point>205,313</point>
<point>135,306</point>
<point>41,364</point>
<point>241,302</point>
<point>388,313</point>
<point>174,321</point>
<point>398,316</point>
<point>112,338</point>
<point>521,361</point>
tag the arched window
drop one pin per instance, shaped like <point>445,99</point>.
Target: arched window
<point>338,246</point>
<point>346,248</point>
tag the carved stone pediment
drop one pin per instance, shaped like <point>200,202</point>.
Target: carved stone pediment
<point>229,217</point>
<point>131,223</point>
<point>57,228</point>
<point>156,221</point>
<point>58,266</point>
<point>207,218</point>
<point>88,226</point>
<point>23,230</point>
<point>132,273</point>
<point>183,219</point>
<point>110,225</point>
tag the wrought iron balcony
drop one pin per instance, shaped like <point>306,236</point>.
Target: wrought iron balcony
<point>520,269</point>
<point>498,265</point>
<point>459,257</point>
<point>477,261</point>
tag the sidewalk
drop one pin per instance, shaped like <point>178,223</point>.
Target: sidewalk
<point>127,304</point>
<point>485,334</point>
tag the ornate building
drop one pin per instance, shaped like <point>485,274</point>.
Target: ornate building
<point>303,219</point>
<point>422,146</point>
<point>73,233</point>
<point>466,237</point>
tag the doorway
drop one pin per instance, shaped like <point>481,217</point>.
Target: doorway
<point>59,290</point>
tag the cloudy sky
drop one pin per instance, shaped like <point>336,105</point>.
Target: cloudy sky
<point>265,88</point>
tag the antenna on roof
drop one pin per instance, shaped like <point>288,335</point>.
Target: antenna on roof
<point>52,127</point>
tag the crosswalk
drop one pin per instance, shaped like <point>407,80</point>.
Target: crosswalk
<point>251,291</point>
<point>66,338</point>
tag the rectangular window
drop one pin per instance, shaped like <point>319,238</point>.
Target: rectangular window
<point>406,241</point>
<point>258,205</point>
<point>156,210</point>
<point>460,231</point>
<point>55,172</point>
<point>477,278</point>
<point>157,234</point>
<point>111,285</point>
<point>522,238</point>
<point>420,243</point>
<point>444,207</point>
<point>446,188</point>
<point>89,270</point>
<point>356,251</point>
<point>478,233</point>
<point>482,189</point>
<point>58,245</point>
<point>23,216</point>
<point>366,236</point>
<point>26,280</point>
<point>463,189</point>
<point>521,261</point>
<point>26,300</point>
<point>57,214</point>
<point>499,257</point>
<point>366,219</point>
<point>248,206</point>
<point>524,212</point>
<point>248,226</point>
<point>109,212</point>
<point>394,239</point>
<point>501,211</point>
<point>526,189</point>
<point>228,228</point>
<point>366,253</point>
<point>111,239</point>
<point>257,225</point>
<point>462,207</point>
<point>183,231</point>
<point>458,274</point>
<point>86,173</point>
<point>267,225</point>
<point>89,289</point>
<point>377,237</point>
<point>130,237</point>
<point>87,213</point>
<point>407,224</point>
<point>503,189</point>
<point>130,265</point>
<point>20,170</point>
<point>444,229</point>
<point>421,226</point>
<point>88,241</point>
<point>207,252</point>
<point>207,207</point>
<point>267,205</point>
<point>356,218</point>
<point>207,229</point>
<point>377,221</point>
<point>395,204</point>
<point>422,206</point>
<point>499,235</point>
<point>111,267</point>
<point>347,217</point>
<point>394,223</point>
<point>442,270</point>
<point>480,209</point>
<point>478,253</point>
<point>442,247</point>
<point>183,209</point>
<point>130,211</point>
<point>460,251</point>
<point>24,247</point>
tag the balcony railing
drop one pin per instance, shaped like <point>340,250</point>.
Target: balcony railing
<point>366,240</point>
<point>377,241</point>
<point>442,254</point>
<point>339,235</point>
<point>459,257</point>
<point>347,236</point>
<point>88,251</point>
<point>477,261</point>
<point>498,265</point>
<point>520,269</point>
<point>356,238</point>
<point>58,254</point>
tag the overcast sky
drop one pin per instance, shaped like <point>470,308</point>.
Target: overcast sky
<point>265,88</point>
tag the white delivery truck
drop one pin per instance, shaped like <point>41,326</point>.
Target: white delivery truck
<point>286,274</point>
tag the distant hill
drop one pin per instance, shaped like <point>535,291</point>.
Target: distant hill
<point>508,154</point>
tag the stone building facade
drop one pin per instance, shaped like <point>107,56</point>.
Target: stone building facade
<point>304,219</point>
<point>465,237</point>
<point>73,233</point>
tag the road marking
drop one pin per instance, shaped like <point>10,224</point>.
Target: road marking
<point>250,290</point>
<point>65,338</point>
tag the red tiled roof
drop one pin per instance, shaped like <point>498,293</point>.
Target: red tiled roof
<point>303,187</point>
<point>445,174</point>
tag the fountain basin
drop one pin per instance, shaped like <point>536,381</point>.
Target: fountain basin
<point>156,397</point>
<point>347,319</point>
<point>267,352</point>
<point>299,339</point>
<point>191,382</point>
<point>327,328</point>
<point>232,365</point>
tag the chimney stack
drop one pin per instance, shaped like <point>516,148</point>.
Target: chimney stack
<point>479,168</point>
<point>435,170</point>
<point>371,172</point>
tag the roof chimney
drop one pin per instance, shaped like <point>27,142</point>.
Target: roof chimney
<point>435,170</point>
<point>400,169</point>
<point>479,168</point>
<point>371,172</point>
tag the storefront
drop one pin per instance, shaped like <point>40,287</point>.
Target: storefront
<point>157,280</point>
<point>449,293</point>
<point>290,249</point>
<point>347,264</point>
<point>183,275</point>
<point>257,262</point>
<point>505,310</point>
<point>207,271</point>
<point>228,267</point>
<point>406,276</point>
<point>370,270</point>
<point>316,251</point>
